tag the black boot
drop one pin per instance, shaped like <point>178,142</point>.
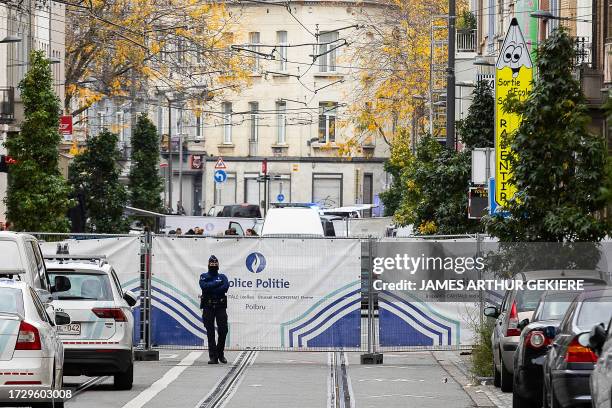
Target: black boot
<point>223,359</point>
<point>213,361</point>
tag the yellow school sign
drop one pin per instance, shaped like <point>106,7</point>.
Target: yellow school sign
<point>513,75</point>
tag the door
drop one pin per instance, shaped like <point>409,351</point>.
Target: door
<point>368,196</point>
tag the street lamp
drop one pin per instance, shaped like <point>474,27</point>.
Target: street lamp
<point>547,15</point>
<point>9,39</point>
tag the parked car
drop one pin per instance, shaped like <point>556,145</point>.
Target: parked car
<point>516,306</point>
<point>569,362</point>
<point>22,257</point>
<point>533,345</point>
<point>235,211</point>
<point>292,221</point>
<point>600,341</point>
<point>31,352</point>
<point>99,339</point>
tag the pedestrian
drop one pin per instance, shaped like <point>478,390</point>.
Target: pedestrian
<point>179,231</point>
<point>213,303</point>
<point>190,232</point>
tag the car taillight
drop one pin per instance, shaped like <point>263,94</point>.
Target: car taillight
<point>513,322</point>
<point>579,354</point>
<point>109,313</point>
<point>536,339</point>
<point>28,337</point>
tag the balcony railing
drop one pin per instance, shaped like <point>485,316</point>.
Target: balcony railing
<point>466,41</point>
<point>584,52</point>
<point>7,105</point>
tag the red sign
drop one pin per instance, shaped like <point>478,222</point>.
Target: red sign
<point>196,161</point>
<point>65,126</point>
<point>220,165</point>
<point>264,166</point>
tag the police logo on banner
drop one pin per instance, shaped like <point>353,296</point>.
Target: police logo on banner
<point>256,262</point>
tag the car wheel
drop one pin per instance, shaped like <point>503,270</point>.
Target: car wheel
<point>506,378</point>
<point>519,401</point>
<point>124,380</point>
<point>496,375</point>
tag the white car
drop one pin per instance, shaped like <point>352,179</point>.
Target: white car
<point>31,352</point>
<point>99,339</point>
<point>292,221</point>
<point>21,255</point>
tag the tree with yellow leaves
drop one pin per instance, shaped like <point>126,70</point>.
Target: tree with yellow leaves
<point>394,57</point>
<point>121,47</point>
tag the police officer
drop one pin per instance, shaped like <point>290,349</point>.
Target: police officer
<point>213,303</point>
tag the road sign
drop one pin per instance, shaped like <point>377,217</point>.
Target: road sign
<point>280,198</point>
<point>65,126</point>
<point>513,76</point>
<point>220,165</point>
<point>220,176</point>
<point>493,207</point>
<point>478,198</point>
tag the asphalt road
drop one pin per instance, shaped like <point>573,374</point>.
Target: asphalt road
<point>279,380</point>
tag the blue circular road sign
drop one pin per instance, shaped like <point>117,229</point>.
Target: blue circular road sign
<point>280,198</point>
<point>220,176</point>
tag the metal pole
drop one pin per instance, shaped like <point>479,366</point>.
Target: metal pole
<point>203,183</point>
<point>169,154</point>
<point>180,171</point>
<point>480,293</point>
<point>370,298</point>
<point>450,75</point>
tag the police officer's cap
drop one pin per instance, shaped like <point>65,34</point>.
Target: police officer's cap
<point>213,260</point>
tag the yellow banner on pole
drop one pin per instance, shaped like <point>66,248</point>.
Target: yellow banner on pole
<point>513,76</point>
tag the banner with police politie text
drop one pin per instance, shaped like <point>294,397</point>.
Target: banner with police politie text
<point>284,293</point>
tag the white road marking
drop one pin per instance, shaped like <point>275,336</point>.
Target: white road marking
<point>389,380</point>
<point>168,356</point>
<point>398,395</point>
<point>159,385</point>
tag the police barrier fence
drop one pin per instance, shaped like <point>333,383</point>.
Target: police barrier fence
<point>297,293</point>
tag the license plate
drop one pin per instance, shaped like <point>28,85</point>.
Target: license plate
<point>72,329</point>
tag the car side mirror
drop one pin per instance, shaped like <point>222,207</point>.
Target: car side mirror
<point>130,298</point>
<point>523,323</point>
<point>44,295</point>
<point>61,284</point>
<point>62,318</point>
<point>596,339</point>
<point>491,311</point>
<point>550,332</point>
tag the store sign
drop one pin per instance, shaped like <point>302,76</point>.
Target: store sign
<point>196,162</point>
<point>65,127</point>
<point>513,76</point>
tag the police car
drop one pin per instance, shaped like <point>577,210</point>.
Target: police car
<point>31,353</point>
<point>98,341</point>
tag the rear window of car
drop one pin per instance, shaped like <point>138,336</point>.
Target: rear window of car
<point>84,286</point>
<point>10,256</point>
<point>245,211</point>
<point>527,300</point>
<point>11,301</point>
<point>555,304</point>
<point>593,312</point>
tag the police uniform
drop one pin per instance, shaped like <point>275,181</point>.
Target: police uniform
<point>213,303</point>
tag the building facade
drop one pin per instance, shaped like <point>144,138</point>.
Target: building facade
<point>26,26</point>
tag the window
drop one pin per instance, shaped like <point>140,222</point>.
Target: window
<point>281,39</point>
<point>83,286</point>
<point>254,121</point>
<point>327,190</point>
<point>327,51</point>
<point>327,122</point>
<point>251,189</point>
<point>227,122</point>
<point>40,308</point>
<point>120,126</point>
<point>281,122</point>
<point>254,46</point>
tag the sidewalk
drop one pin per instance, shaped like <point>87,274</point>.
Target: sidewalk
<point>483,395</point>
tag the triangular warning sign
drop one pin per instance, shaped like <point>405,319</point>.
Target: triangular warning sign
<point>220,164</point>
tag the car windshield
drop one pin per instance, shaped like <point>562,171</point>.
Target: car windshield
<point>593,312</point>
<point>555,304</point>
<point>83,286</point>
<point>245,211</point>
<point>10,259</point>
<point>11,301</point>
<point>527,300</point>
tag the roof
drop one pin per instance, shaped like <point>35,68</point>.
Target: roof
<point>11,283</point>
<point>595,293</point>
<point>562,274</point>
<point>13,236</point>
<point>77,266</point>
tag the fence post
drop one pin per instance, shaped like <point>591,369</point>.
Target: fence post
<point>371,357</point>
<point>480,292</point>
<point>145,353</point>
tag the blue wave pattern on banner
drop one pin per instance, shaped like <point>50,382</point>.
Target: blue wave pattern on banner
<point>413,323</point>
<point>333,322</point>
